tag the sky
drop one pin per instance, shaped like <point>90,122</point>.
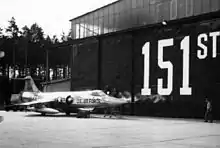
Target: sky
<point>52,15</point>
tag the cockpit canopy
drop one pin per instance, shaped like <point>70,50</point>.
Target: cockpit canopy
<point>98,93</point>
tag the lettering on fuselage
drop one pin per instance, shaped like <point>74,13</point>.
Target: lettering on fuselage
<point>86,101</point>
<point>80,100</point>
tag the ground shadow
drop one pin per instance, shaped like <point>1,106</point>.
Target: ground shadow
<point>75,116</point>
<point>50,115</point>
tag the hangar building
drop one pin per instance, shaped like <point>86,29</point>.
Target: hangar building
<point>148,47</point>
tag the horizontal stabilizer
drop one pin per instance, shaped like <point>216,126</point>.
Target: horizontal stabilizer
<point>46,110</point>
<point>40,101</point>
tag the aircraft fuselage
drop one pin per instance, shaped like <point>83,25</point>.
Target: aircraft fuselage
<point>69,101</point>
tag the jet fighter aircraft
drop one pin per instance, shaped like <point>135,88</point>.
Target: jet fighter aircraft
<point>82,102</point>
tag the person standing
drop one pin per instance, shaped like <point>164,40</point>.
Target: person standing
<point>1,118</point>
<point>208,113</point>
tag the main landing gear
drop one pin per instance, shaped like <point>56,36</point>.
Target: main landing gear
<point>43,114</point>
<point>68,113</point>
<point>112,112</point>
<point>83,114</point>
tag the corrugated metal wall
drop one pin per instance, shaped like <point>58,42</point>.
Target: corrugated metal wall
<point>57,86</point>
<point>116,64</point>
<point>85,66</point>
<point>132,13</point>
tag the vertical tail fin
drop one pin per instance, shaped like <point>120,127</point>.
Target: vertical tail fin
<point>30,85</point>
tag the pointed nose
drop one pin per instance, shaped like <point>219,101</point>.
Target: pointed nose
<point>128,100</point>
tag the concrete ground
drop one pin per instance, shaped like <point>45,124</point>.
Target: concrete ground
<point>29,130</point>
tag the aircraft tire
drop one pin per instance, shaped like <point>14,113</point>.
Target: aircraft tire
<point>43,114</point>
<point>21,110</point>
<point>67,113</point>
<point>7,109</point>
<point>78,115</point>
<point>14,110</point>
<point>88,115</point>
<point>82,114</point>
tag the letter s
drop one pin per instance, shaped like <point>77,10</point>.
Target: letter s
<point>202,46</point>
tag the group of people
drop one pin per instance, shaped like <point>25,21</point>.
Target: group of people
<point>112,92</point>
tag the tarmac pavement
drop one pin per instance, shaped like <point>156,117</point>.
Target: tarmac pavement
<point>30,130</point>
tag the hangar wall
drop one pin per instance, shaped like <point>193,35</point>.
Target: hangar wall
<point>85,65</point>
<point>183,60</point>
<point>5,91</point>
<point>116,63</point>
<point>60,85</point>
<point>182,56</point>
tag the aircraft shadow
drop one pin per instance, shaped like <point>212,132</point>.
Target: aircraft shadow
<point>75,115</point>
<point>55,116</point>
<point>113,117</point>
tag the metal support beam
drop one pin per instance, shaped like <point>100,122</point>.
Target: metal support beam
<point>99,78</point>
<point>73,54</point>
<point>132,73</point>
<point>47,65</point>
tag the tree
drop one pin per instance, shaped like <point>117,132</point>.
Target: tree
<point>26,38</point>
<point>27,49</point>
<point>34,42</point>
<point>1,32</point>
<point>13,29</point>
<point>69,36</point>
<point>26,33</point>
<point>14,33</point>
<point>63,37</point>
<point>47,42</point>
<point>55,39</point>
<point>1,41</point>
<point>37,33</point>
<point>1,37</point>
<point>66,37</point>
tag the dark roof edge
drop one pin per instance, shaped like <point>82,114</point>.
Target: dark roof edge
<point>94,10</point>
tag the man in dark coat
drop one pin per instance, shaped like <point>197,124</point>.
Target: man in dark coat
<point>208,113</point>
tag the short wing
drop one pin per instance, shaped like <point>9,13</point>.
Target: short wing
<point>39,101</point>
<point>85,109</point>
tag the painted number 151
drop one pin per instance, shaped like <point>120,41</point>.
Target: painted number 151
<point>185,47</point>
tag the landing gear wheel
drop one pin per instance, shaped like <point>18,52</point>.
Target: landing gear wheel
<point>83,114</point>
<point>67,113</point>
<point>43,114</point>
<point>87,115</point>
<point>15,110</point>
